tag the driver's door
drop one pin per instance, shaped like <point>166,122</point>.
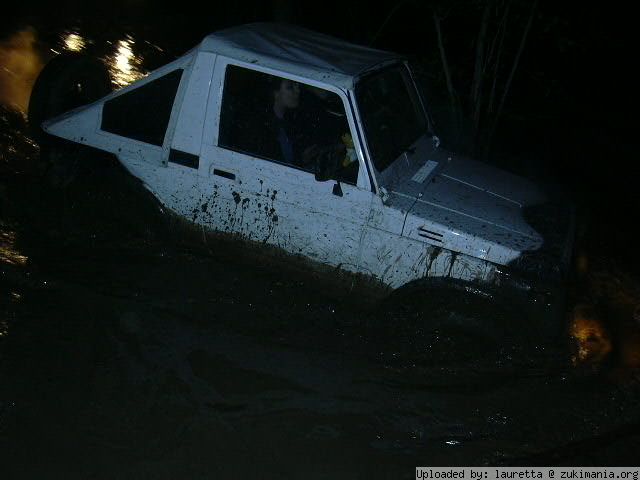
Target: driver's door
<point>271,201</point>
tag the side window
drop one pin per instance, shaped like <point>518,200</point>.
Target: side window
<point>287,122</point>
<point>143,113</point>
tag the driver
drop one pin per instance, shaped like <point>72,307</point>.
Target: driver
<point>309,135</point>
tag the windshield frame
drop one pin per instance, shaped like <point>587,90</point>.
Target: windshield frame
<point>416,101</point>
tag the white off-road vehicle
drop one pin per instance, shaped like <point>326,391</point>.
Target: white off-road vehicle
<point>291,138</point>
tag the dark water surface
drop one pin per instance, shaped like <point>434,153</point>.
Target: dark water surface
<point>131,347</point>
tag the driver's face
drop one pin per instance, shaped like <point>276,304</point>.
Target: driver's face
<point>288,95</point>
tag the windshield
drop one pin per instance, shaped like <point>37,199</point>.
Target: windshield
<point>391,113</point>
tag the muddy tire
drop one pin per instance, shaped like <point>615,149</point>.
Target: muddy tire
<point>66,82</point>
<point>440,321</point>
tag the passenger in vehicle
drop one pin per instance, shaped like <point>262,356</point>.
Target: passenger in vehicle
<point>301,135</point>
<point>302,126</point>
<point>284,121</point>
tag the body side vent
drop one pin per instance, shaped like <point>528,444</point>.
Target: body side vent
<point>425,232</point>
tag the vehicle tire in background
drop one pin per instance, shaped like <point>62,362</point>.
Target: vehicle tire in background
<point>66,82</point>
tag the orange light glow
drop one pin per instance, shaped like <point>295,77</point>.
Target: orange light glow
<point>593,342</point>
<point>20,64</point>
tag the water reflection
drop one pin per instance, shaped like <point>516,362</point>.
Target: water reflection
<point>7,315</point>
<point>74,42</point>
<point>9,255</point>
<point>21,62</point>
<point>124,65</point>
<point>8,252</point>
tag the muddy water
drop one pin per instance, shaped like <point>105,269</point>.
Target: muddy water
<point>131,347</point>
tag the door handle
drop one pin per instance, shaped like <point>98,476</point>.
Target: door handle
<point>225,174</point>
<point>185,159</point>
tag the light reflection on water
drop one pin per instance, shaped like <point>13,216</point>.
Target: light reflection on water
<point>74,42</point>
<point>9,255</point>
<point>21,62</point>
<point>8,252</point>
<point>6,314</point>
<point>124,65</point>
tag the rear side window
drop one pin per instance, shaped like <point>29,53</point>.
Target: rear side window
<point>143,113</point>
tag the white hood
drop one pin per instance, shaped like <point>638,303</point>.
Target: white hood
<point>466,206</point>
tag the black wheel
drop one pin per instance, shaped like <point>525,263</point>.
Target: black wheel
<point>66,82</point>
<point>62,161</point>
<point>442,320</point>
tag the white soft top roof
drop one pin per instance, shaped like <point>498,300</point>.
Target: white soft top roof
<point>297,51</point>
